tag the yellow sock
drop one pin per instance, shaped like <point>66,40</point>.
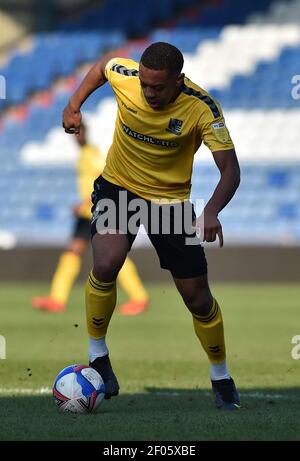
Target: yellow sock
<point>66,272</point>
<point>210,331</point>
<point>100,301</point>
<point>130,281</point>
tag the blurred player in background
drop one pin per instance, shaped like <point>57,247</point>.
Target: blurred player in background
<point>90,164</point>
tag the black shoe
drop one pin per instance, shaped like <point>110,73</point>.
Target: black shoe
<point>226,394</point>
<point>103,366</point>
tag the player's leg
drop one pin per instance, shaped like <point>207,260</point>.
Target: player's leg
<point>110,247</point>
<point>208,325</point>
<point>67,269</point>
<point>207,319</point>
<point>206,313</point>
<point>109,253</point>
<point>182,254</point>
<point>130,282</point>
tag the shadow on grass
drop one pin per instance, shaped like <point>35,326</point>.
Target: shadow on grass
<point>156,414</point>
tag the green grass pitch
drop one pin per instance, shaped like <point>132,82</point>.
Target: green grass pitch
<point>162,370</point>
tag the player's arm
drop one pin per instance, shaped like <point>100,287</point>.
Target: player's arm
<point>94,79</point>
<point>228,166</point>
<point>77,209</point>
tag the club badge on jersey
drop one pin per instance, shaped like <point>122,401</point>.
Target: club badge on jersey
<point>175,126</point>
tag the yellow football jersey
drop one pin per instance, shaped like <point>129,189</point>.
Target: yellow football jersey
<point>89,166</point>
<point>152,151</point>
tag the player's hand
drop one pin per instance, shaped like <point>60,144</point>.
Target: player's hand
<point>212,228</point>
<point>208,227</point>
<point>71,120</point>
<point>77,209</point>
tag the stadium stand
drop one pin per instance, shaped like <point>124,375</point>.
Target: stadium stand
<point>280,12</point>
<point>242,58</point>
<point>11,30</point>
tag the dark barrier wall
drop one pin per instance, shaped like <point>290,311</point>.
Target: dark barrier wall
<point>226,264</point>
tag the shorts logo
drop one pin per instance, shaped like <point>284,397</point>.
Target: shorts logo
<point>175,126</point>
<point>221,132</point>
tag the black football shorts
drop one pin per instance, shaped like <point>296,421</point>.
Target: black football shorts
<point>168,227</point>
<point>82,229</point>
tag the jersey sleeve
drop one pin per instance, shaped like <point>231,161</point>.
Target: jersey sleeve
<point>214,133</point>
<point>109,68</point>
<point>119,68</point>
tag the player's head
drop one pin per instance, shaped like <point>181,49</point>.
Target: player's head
<point>160,74</point>
<point>81,137</point>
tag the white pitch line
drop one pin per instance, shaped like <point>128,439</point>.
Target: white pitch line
<point>48,390</point>
<point>251,395</point>
<point>28,391</point>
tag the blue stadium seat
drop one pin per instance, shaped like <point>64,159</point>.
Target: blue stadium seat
<point>288,211</point>
<point>278,178</point>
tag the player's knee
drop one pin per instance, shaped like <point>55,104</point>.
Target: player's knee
<point>78,250</point>
<point>198,303</point>
<point>106,269</point>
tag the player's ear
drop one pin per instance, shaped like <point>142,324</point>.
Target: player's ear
<point>180,80</point>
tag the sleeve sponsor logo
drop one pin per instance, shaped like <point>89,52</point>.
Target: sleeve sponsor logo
<point>220,131</point>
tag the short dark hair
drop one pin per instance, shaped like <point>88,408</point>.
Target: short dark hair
<point>163,56</point>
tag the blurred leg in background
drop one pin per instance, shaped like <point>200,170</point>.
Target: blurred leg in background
<point>68,269</point>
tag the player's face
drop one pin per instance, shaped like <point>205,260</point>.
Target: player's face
<point>159,87</point>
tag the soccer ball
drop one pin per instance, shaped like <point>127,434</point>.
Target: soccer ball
<point>78,389</point>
